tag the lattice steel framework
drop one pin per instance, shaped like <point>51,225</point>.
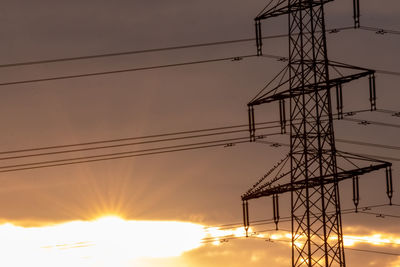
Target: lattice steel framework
<point>312,163</point>
<point>312,143</point>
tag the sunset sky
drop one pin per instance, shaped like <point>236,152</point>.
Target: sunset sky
<point>167,209</point>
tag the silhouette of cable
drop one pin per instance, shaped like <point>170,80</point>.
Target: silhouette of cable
<point>381,31</point>
<point>221,141</point>
<point>223,239</point>
<point>394,113</point>
<point>373,251</point>
<point>288,218</point>
<point>102,73</point>
<point>277,144</point>
<point>146,137</point>
<point>128,144</point>
<point>353,142</point>
<point>368,122</point>
<point>382,215</point>
<point>135,138</point>
<point>152,50</point>
<point>387,72</point>
<point>121,155</point>
<point>174,138</point>
<point>119,71</point>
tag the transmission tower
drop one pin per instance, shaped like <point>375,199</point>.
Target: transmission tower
<point>312,170</point>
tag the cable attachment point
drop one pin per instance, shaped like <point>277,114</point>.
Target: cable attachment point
<point>246,222</point>
<point>389,184</point>
<point>356,13</point>
<point>275,207</point>
<point>282,115</point>
<point>252,126</point>
<point>372,91</point>
<point>356,192</point>
<point>339,101</point>
<point>258,37</point>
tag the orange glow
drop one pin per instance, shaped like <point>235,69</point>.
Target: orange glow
<point>108,241</point>
<point>375,239</point>
<point>113,241</point>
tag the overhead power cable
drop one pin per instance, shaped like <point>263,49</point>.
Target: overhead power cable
<point>101,73</point>
<point>288,218</point>
<point>379,30</point>
<point>119,155</point>
<point>187,46</point>
<point>147,137</point>
<point>123,144</point>
<point>91,74</point>
<point>255,235</point>
<point>382,215</point>
<point>373,251</point>
<point>150,139</point>
<point>76,161</point>
<point>134,138</point>
<point>277,144</point>
<point>143,139</point>
<point>127,70</point>
<point>231,237</point>
<point>367,122</point>
<point>152,50</point>
<point>125,154</point>
<point>352,142</point>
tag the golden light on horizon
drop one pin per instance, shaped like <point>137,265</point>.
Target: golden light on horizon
<point>113,241</point>
<point>107,241</point>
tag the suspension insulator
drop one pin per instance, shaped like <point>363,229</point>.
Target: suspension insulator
<point>246,222</point>
<point>356,13</point>
<point>252,125</point>
<point>282,113</point>
<point>356,192</point>
<point>389,183</point>
<point>275,207</point>
<point>339,101</point>
<point>372,91</point>
<point>258,37</point>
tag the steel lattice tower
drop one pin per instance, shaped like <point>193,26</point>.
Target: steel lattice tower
<point>314,167</point>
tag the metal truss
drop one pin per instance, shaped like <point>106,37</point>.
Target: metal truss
<point>312,170</point>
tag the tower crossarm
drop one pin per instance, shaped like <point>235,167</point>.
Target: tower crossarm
<point>281,8</point>
<point>314,182</point>
<point>309,88</point>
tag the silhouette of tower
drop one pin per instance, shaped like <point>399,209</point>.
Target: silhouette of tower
<point>312,170</point>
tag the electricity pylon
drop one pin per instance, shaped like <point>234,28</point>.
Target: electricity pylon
<point>312,170</point>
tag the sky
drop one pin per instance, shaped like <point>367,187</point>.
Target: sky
<point>196,187</point>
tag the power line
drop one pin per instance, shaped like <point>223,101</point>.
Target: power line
<point>288,218</point>
<point>373,251</point>
<point>120,155</point>
<point>187,46</point>
<point>66,77</point>
<point>92,74</point>
<point>368,122</point>
<point>366,144</point>
<point>133,138</point>
<point>387,72</point>
<point>382,215</point>
<point>145,140</point>
<point>276,144</point>
<point>226,238</point>
<point>152,50</point>
<point>210,131</point>
<point>126,144</point>
<point>119,71</point>
<point>380,30</point>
